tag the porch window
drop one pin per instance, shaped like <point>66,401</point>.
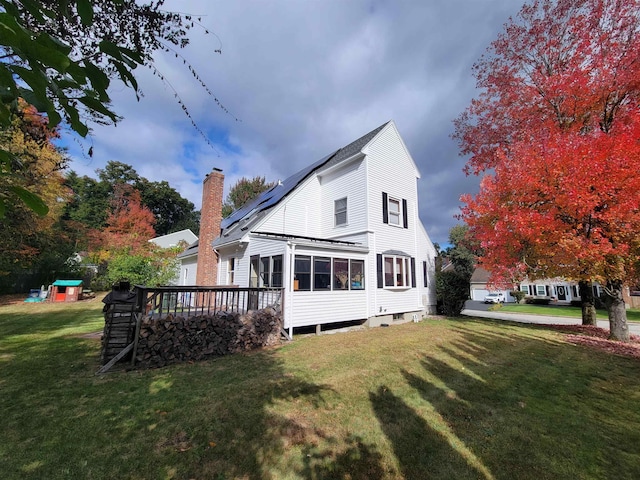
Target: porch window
<point>276,271</point>
<point>357,274</point>
<point>340,274</point>
<point>265,277</point>
<point>321,273</point>
<point>340,211</point>
<point>302,273</point>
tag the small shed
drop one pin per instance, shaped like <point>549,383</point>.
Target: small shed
<point>66,290</point>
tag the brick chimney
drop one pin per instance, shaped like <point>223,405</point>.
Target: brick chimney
<point>210,218</point>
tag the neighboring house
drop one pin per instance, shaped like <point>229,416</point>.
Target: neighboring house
<point>342,237</point>
<point>173,240</point>
<point>479,289</point>
<point>556,289</point>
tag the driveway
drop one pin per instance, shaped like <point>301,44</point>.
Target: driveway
<point>478,309</point>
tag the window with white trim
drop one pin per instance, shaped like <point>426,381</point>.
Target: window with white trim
<point>302,273</point>
<point>265,271</point>
<point>321,273</point>
<point>397,271</point>
<point>276,271</point>
<point>340,211</point>
<point>326,274</point>
<point>541,291</point>
<point>525,289</point>
<point>231,271</point>
<point>394,211</point>
<point>356,274</point>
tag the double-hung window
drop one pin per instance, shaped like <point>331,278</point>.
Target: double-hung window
<point>340,211</point>
<point>395,211</point>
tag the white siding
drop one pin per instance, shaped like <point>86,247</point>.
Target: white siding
<point>298,214</point>
<point>391,170</point>
<point>188,269</point>
<point>241,267</point>
<point>348,181</point>
<point>321,307</point>
<point>314,308</point>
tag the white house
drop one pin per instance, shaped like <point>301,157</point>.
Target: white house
<point>342,237</point>
<point>557,289</point>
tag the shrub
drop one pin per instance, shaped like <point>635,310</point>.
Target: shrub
<point>537,301</point>
<point>452,289</point>
<point>518,295</point>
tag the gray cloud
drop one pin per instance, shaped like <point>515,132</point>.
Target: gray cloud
<point>304,78</point>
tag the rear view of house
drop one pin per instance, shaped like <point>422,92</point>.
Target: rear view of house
<point>342,238</point>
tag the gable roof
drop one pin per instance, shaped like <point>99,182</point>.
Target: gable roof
<point>240,222</point>
<point>172,239</point>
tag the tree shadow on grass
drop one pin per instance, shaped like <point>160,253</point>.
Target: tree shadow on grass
<point>534,407</point>
<point>423,450</point>
<point>242,416</point>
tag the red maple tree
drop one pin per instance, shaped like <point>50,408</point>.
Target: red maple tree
<point>555,132</point>
<point>129,225</point>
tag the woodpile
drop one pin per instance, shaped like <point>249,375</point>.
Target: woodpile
<point>173,339</point>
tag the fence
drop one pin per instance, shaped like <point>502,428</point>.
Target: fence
<point>187,301</point>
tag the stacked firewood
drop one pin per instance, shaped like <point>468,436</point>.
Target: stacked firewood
<point>173,339</point>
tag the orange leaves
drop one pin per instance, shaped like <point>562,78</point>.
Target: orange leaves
<point>557,125</point>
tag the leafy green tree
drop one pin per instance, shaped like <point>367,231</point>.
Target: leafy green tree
<point>61,56</point>
<point>242,192</point>
<point>90,200</point>
<point>172,212</point>
<point>453,285</point>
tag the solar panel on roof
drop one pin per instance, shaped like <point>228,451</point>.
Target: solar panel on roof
<point>274,195</point>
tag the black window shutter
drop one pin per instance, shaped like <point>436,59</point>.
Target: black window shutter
<point>385,208</point>
<point>424,273</point>
<point>380,275</point>
<point>413,272</point>
<point>405,217</point>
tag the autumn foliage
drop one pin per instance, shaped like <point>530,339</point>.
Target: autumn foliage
<point>555,131</point>
<point>129,225</point>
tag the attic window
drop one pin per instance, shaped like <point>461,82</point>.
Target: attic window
<point>340,209</point>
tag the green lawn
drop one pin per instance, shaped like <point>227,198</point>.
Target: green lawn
<point>443,399</point>
<point>633,314</point>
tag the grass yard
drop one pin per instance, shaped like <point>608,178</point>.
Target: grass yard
<point>633,314</point>
<point>443,399</point>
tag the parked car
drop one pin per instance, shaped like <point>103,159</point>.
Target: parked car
<point>494,298</point>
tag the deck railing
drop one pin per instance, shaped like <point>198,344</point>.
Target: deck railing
<point>183,300</point>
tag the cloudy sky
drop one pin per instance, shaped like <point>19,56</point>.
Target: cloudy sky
<point>301,78</point>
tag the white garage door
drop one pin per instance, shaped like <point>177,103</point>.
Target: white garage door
<point>479,294</point>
